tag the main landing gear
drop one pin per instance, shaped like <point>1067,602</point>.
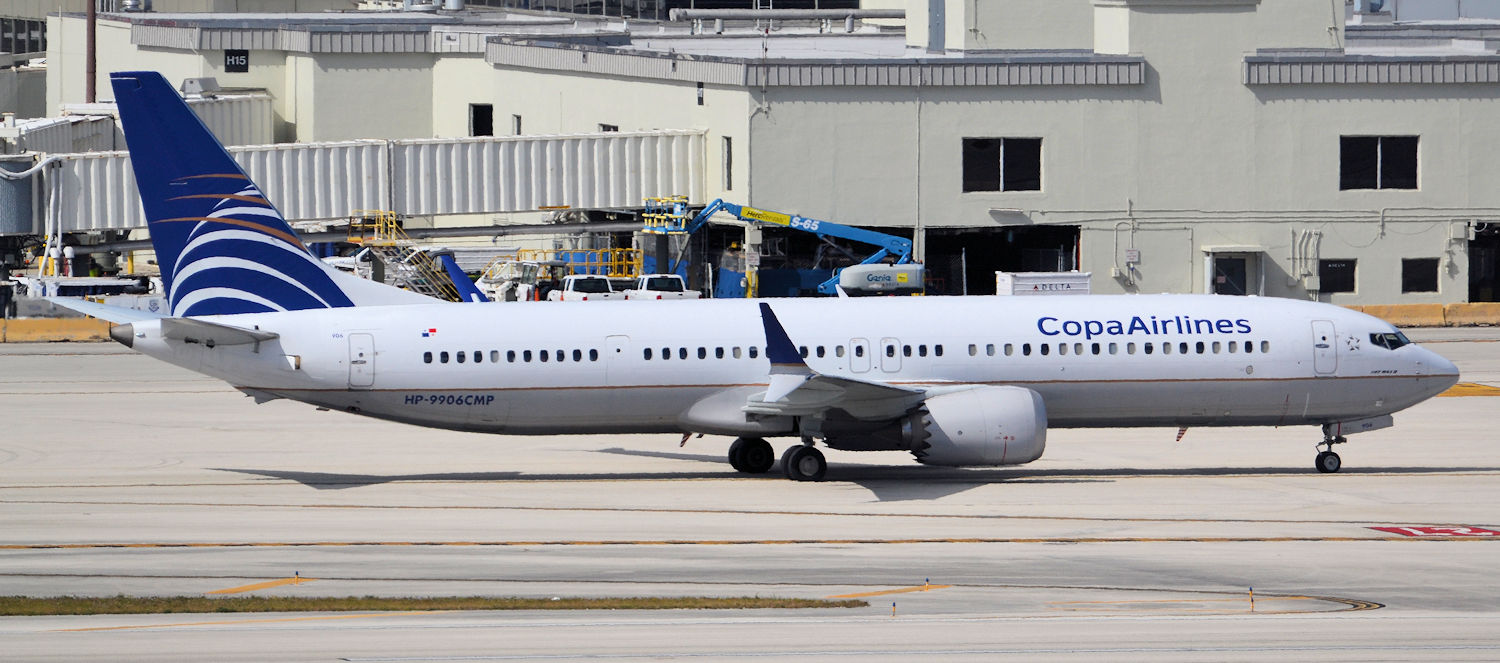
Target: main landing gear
<point>751,455</point>
<point>804,462</point>
<point>754,455</point>
<point>1327,461</point>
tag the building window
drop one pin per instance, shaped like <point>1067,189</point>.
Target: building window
<point>1336,275</point>
<point>1419,275</point>
<point>1002,164</point>
<point>607,128</point>
<point>728,163</point>
<point>515,125</point>
<point>700,94</point>
<point>1377,162</point>
<point>481,120</point>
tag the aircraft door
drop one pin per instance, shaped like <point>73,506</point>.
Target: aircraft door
<point>859,355</point>
<point>361,361</point>
<point>890,355</point>
<point>615,354</point>
<point>1325,348</point>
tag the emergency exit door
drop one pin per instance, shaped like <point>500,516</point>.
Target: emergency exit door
<point>1325,348</point>
<point>361,361</point>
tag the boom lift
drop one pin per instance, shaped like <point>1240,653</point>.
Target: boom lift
<point>669,216</point>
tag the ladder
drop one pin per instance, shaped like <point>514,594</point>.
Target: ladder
<point>406,264</point>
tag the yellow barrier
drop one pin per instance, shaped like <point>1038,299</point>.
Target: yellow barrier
<point>1477,313</point>
<point>42,330</point>
<point>1408,315</point>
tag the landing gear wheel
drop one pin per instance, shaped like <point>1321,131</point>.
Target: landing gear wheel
<point>804,464</point>
<point>751,455</point>
<point>1328,462</point>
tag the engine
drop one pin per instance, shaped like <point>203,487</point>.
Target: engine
<point>980,426</point>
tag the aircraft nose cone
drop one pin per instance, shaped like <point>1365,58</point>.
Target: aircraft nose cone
<point>1439,366</point>
<point>123,334</point>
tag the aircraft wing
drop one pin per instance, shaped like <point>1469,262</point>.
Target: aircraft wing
<point>116,314</point>
<point>796,389</point>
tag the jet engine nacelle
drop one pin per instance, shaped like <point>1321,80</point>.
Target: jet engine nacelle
<point>980,426</point>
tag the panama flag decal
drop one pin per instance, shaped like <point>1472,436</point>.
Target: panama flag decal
<point>429,332</point>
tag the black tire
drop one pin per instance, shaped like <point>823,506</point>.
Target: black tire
<point>756,455</point>
<point>1328,462</point>
<point>805,464</point>
<point>737,454</point>
<point>786,461</point>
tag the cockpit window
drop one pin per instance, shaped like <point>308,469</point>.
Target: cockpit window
<point>1390,340</point>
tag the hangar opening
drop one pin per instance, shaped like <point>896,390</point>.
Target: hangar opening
<point>963,261</point>
<point>1484,258</point>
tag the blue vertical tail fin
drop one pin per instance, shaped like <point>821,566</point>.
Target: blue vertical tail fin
<point>467,291</point>
<point>222,247</point>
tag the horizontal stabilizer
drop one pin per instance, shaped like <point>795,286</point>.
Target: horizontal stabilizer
<point>116,314</point>
<point>193,330</point>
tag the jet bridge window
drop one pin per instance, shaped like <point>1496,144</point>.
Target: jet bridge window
<point>1389,340</point>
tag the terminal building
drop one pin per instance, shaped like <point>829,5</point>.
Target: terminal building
<point>1319,149</point>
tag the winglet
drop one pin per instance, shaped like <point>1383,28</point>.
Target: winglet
<point>466,288</point>
<point>788,370</point>
<point>779,347</point>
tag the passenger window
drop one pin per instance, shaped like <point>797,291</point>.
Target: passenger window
<point>1183,347</point>
<point>443,357</point>
<point>646,353</point>
<point>1249,347</point>
<point>859,350</point>
<point>510,356</point>
<point>1096,348</point>
<point>1216,347</point>
<point>1114,348</point>
<point>1077,348</point>
<point>718,353</point>
<point>937,350</point>
<point>1009,349</point>
<point>890,350</point>
<point>906,350</point>
<point>577,355</point>
<point>1044,348</point>
<point>427,357</point>
<point>478,356</point>
<point>703,353</point>
<point>921,351</point>
<point>459,356</point>
<point>736,352</point>
<point>820,352</point>
<point>838,351</point>
<point>593,354</point>
<point>1146,347</point>
<point>802,350</point>
<point>1233,347</point>
<point>973,350</point>
<point>1130,348</point>
<point>1166,348</point>
<point>666,353</point>
<point>1062,349</point>
<point>1265,346</point>
<point>682,353</point>
<point>494,356</point>
<point>561,355</point>
<point>752,352</point>
<point>1026,349</point>
<point>525,356</point>
<point>543,355</point>
<point>1200,347</point>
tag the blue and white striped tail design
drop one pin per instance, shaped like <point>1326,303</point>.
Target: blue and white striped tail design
<point>222,247</point>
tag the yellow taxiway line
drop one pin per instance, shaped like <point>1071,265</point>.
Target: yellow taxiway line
<point>262,585</point>
<point>1471,389</point>
<point>903,590</point>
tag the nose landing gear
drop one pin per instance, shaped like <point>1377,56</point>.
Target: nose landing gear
<point>1327,461</point>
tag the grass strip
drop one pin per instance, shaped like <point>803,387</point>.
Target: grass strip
<point>12,606</point>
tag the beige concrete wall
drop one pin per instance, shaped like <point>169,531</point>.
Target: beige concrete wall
<point>23,91</point>
<point>1019,24</point>
<point>362,96</point>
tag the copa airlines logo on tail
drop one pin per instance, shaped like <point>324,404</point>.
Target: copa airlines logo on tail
<point>242,257</point>
<point>1148,326</point>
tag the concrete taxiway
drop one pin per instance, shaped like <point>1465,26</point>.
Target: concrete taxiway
<point>119,474</point>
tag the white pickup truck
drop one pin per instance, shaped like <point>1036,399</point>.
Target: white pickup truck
<point>660,286</point>
<point>584,288</point>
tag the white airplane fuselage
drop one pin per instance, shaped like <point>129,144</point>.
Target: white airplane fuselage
<point>1096,361</point>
